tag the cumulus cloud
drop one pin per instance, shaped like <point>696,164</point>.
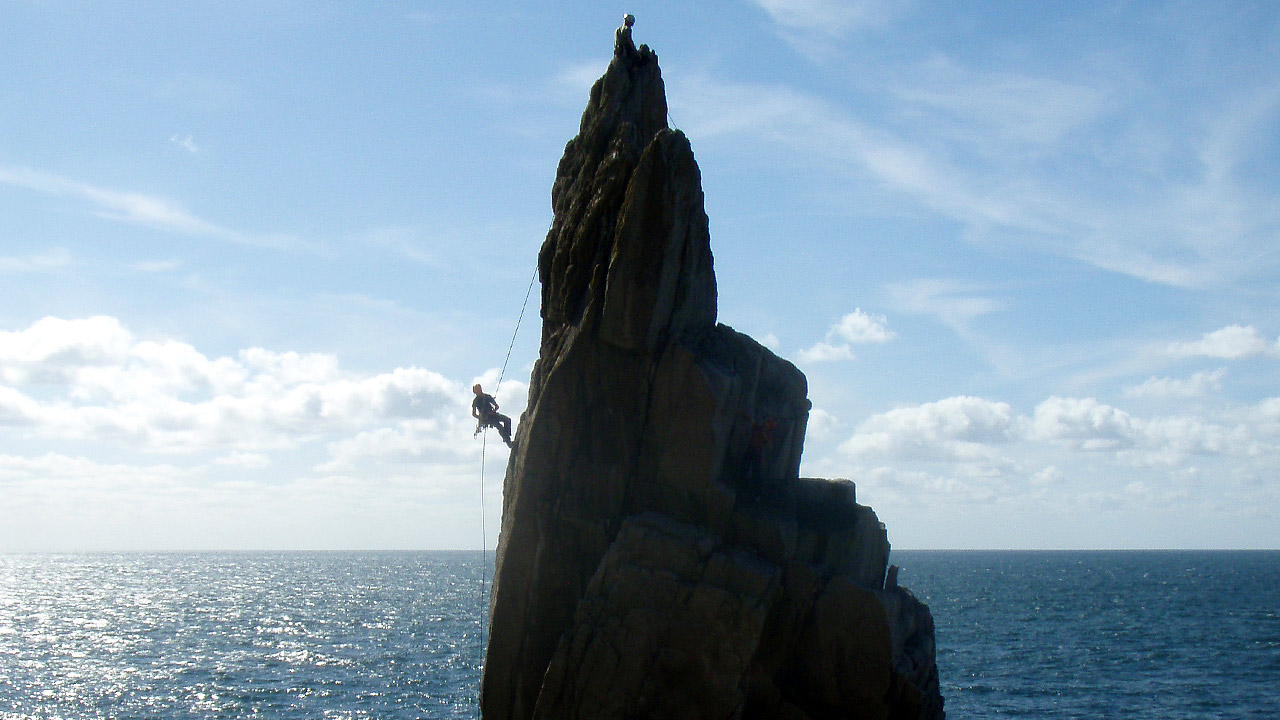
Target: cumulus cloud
<point>1087,425</point>
<point>1197,385</point>
<point>93,379</point>
<point>957,428</point>
<point>1084,421</point>
<point>824,352</point>
<point>257,437</point>
<point>1229,343</point>
<point>854,328</point>
<point>821,424</point>
<point>990,438</point>
<point>860,327</point>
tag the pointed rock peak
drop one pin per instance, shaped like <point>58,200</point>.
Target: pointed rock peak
<point>660,555</point>
<point>629,242</point>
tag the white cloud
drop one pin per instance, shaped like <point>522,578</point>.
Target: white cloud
<point>968,430</point>
<point>1229,343</point>
<point>16,409</point>
<point>822,424</point>
<point>955,428</point>
<point>1087,423</point>
<point>860,327</point>
<point>855,327</point>
<point>261,449</point>
<point>824,352</point>
<point>52,349</point>
<point>1195,386</point>
<point>164,395</point>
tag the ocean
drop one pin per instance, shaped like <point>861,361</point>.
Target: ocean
<point>1140,634</point>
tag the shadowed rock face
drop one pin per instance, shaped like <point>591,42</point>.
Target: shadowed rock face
<point>639,573</point>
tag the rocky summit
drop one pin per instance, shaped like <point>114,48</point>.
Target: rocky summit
<point>660,557</point>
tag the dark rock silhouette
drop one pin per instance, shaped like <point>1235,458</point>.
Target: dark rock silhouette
<point>638,574</point>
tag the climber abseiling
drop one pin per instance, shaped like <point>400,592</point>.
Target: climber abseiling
<point>485,410</point>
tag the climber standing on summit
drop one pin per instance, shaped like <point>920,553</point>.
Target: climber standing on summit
<point>622,42</point>
<point>485,410</point>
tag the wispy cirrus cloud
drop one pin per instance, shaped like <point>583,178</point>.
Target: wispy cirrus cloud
<point>1035,160</point>
<point>134,208</point>
<point>953,302</point>
<point>36,262</point>
<point>813,27</point>
<point>992,111</point>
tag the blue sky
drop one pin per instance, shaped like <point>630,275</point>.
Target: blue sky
<point>254,255</point>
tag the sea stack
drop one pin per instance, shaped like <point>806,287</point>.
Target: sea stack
<point>654,560</point>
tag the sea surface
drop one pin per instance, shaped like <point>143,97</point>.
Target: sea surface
<point>1168,635</point>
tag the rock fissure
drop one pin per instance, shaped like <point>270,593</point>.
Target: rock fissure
<point>655,560</point>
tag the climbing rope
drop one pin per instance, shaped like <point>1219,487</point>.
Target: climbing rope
<point>484,535</point>
<point>484,572</point>
<point>523,307</point>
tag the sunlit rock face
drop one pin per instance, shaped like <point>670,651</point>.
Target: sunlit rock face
<point>647,568</point>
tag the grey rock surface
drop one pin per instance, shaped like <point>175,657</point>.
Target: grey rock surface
<point>641,572</point>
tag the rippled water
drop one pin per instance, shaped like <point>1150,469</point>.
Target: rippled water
<point>1167,635</point>
<point>1136,635</point>
<point>323,635</point>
